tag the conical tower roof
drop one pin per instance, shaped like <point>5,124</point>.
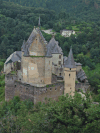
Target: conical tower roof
<point>54,47</point>
<point>70,60</point>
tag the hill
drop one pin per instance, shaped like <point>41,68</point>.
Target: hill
<point>87,10</point>
<point>16,24</point>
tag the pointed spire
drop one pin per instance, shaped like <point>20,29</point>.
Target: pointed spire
<point>39,22</point>
<point>70,60</point>
<point>23,46</point>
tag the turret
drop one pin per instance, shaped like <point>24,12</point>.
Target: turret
<point>69,74</point>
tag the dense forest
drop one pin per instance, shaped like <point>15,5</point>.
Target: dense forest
<point>17,20</point>
<point>82,9</point>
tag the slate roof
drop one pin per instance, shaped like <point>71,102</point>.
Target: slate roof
<point>26,52</point>
<point>69,63</point>
<point>31,37</point>
<point>23,46</point>
<point>16,56</point>
<point>81,75</point>
<point>78,64</point>
<point>48,54</point>
<point>30,40</point>
<point>54,47</point>
<point>65,59</point>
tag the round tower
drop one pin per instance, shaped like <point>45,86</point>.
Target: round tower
<point>69,74</point>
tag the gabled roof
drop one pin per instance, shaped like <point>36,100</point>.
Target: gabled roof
<point>31,39</point>
<point>78,64</point>
<point>23,46</point>
<point>65,59</point>
<point>81,75</point>
<point>69,63</point>
<point>54,47</point>
<point>48,54</point>
<point>16,56</point>
<point>26,52</point>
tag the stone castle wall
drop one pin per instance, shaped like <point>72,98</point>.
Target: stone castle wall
<point>83,86</point>
<point>35,94</point>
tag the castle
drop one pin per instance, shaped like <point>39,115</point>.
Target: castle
<point>40,70</point>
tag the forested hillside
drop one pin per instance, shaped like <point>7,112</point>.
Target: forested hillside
<point>16,24</point>
<point>87,10</point>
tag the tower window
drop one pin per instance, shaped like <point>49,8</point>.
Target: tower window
<point>70,68</point>
<point>59,62</point>
<point>59,74</point>
<point>69,75</point>
<point>59,56</point>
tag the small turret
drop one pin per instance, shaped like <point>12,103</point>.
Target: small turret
<point>69,74</point>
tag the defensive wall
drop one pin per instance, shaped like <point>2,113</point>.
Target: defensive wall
<point>13,87</point>
<point>27,91</point>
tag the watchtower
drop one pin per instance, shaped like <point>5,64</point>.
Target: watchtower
<point>69,74</point>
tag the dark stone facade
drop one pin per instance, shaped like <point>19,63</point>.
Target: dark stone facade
<point>35,94</point>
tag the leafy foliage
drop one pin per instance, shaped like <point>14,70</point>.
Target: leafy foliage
<point>66,115</point>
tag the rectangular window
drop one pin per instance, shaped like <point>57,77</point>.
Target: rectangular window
<point>59,62</point>
<point>59,56</point>
<point>59,74</point>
